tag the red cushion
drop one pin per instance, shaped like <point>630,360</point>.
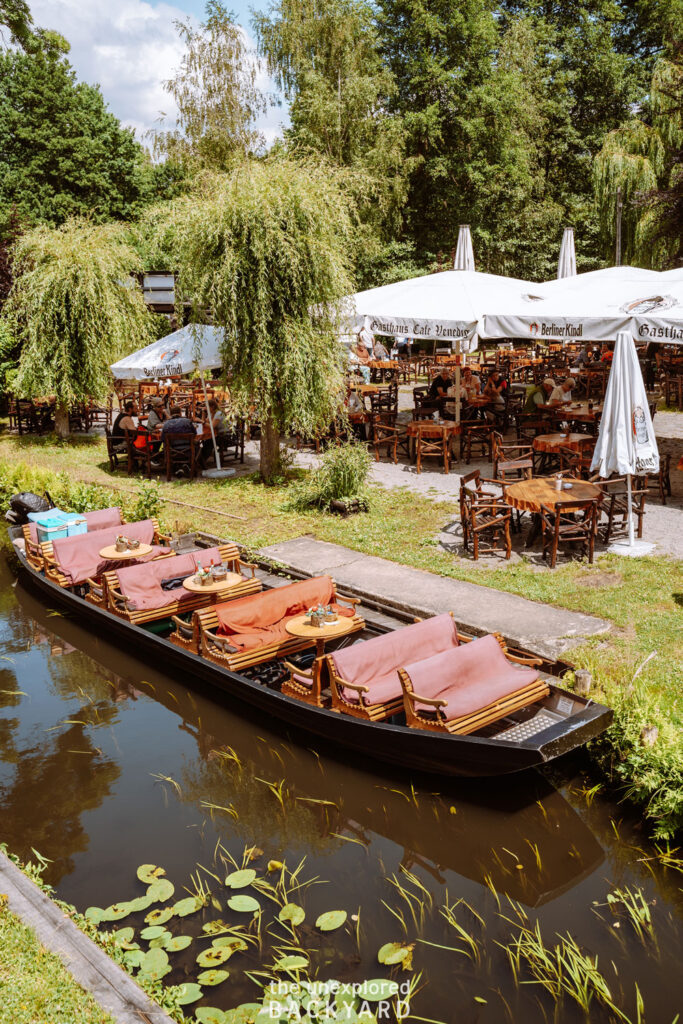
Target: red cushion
<point>78,557</point>
<point>141,584</point>
<point>468,678</point>
<point>375,663</point>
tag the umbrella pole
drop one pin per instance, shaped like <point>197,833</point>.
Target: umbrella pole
<point>457,383</point>
<point>208,413</point>
<point>631,536</point>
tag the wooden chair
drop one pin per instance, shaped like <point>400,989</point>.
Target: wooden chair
<point>306,684</point>
<point>577,464</point>
<point>530,426</point>
<point>510,461</point>
<point>180,455</point>
<point>54,573</point>
<point>424,711</point>
<point>614,506</point>
<point>569,522</point>
<point>475,438</point>
<point>433,445</point>
<point>385,433</point>
<point>115,450</point>
<point>116,602</point>
<point>423,405</point>
<point>483,512</point>
<point>140,458</point>
<point>664,477</point>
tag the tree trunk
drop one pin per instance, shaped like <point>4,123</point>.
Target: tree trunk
<point>271,464</point>
<point>62,419</point>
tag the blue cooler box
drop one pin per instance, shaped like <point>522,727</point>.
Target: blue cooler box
<point>75,524</point>
<point>52,529</point>
<point>52,513</point>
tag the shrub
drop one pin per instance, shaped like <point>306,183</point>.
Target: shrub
<point>342,473</point>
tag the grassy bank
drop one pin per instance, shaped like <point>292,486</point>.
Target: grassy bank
<point>34,984</point>
<point>641,597</point>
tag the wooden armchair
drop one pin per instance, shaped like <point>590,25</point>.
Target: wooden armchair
<point>569,522</point>
<point>511,461</point>
<point>180,455</point>
<point>119,605</point>
<point>306,684</point>
<point>386,433</point>
<point>529,427</point>
<point>497,687</point>
<point>475,438</point>
<point>578,464</point>
<point>482,513</point>
<point>423,405</point>
<point>54,573</point>
<point>139,458</point>
<point>433,444</point>
<point>614,506</point>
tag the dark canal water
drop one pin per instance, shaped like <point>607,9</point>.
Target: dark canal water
<point>89,736</point>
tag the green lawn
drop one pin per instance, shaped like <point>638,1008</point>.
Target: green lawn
<point>35,986</point>
<point>641,597</point>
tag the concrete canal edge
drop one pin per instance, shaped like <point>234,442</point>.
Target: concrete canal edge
<point>114,990</point>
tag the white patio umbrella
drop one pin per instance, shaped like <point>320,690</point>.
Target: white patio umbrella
<point>566,266</point>
<point>464,254</point>
<point>193,348</point>
<point>626,440</point>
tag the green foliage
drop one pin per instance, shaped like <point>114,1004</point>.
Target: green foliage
<point>266,249</point>
<point>216,95</point>
<point>74,309</point>
<point>16,16</point>
<point>63,152</point>
<point>342,473</point>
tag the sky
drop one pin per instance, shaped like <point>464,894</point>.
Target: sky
<point>129,47</point>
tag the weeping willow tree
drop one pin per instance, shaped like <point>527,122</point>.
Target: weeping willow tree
<point>644,160</point>
<point>266,251</point>
<point>74,310</point>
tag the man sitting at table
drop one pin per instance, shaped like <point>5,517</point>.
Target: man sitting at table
<point>607,354</point>
<point>157,413</point>
<point>359,359</point>
<point>495,391</point>
<point>538,394</point>
<point>438,389</point>
<point>562,393</point>
<point>177,424</point>
<point>123,422</point>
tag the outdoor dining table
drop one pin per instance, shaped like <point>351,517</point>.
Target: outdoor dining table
<point>231,579</point>
<point>110,554</point>
<point>430,428</point>
<point>529,495</point>
<point>300,626</point>
<point>364,389</point>
<point>550,443</point>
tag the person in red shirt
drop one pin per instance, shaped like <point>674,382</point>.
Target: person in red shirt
<point>607,354</point>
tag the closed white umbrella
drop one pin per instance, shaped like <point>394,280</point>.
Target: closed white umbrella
<point>464,254</point>
<point>195,347</point>
<point>566,266</point>
<point>626,442</point>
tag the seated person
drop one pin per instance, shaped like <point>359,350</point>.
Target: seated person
<point>220,427</point>
<point>177,424</point>
<point>495,391</point>
<point>470,384</point>
<point>379,351</point>
<point>562,394</point>
<point>538,394</point>
<point>157,413</point>
<point>606,355</point>
<point>438,389</point>
<point>123,422</point>
<point>583,357</point>
<point>359,358</point>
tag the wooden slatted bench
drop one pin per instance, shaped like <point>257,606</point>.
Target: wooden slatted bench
<point>118,603</point>
<point>54,573</point>
<point>34,553</point>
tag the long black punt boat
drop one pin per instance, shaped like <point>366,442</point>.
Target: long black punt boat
<point>529,737</point>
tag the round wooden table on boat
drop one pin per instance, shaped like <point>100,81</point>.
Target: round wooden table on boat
<point>230,580</point>
<point>299,626</point>
<point>553,442</point>
<point>529,495</point>
<point>110,553</point>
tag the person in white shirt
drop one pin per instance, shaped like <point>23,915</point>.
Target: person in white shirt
<point>562,393</point>
<point>367,337</point>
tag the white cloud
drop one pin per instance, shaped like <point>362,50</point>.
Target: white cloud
<point>129,48</point>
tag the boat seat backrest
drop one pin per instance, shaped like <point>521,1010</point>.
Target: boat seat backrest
<point>469,677</point>
<point>263,611</point>
<point>141,584</point>
<point>98,520</point>
<point>373,659</point>
<point>78,557</point>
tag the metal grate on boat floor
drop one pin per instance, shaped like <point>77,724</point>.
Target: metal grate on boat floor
<point>525,730</point>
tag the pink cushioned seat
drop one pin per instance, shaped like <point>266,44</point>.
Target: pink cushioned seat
<point>79,557</point>
<point>468,678</point>
<point>98,520</point>
<point>375,663</point>
<point>141,584</point>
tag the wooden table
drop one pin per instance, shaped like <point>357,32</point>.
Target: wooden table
<point>529,495</point>
<point>110,554</point>
<point>230,580</point>
<point>553,442</point>
<point>299,626</point>
<point>430,428</point>
<point>364,389</point>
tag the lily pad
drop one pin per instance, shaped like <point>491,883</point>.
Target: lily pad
<point>230,942</point>
<point>290,963</point>
<point>140,903</point>
<point>215,927</point>
<point>209,1015</point>
<point>116,912</point>
<point>149,873</point>
<point>394,953</point>
<point>376,990</point>
<point>161,941</point>
<point>161,890</point>
<point>134,958</point>
<point>330,921</point>
<point>94,914</point>
<point>155,964</point>
<point>177,943</point>
<point>292,912</point>
<point>159,916</point>
<point>212,977</point>
<point>213,956</point>
<point>153,932</point>
<point>239,879</point>
<point>188,993</point>
<point>244,904</point>
<point>245,1013</point>
<point>183,908</point>
<point>124,935</point>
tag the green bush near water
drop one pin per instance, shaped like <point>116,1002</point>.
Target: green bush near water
<point>342,473</point>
